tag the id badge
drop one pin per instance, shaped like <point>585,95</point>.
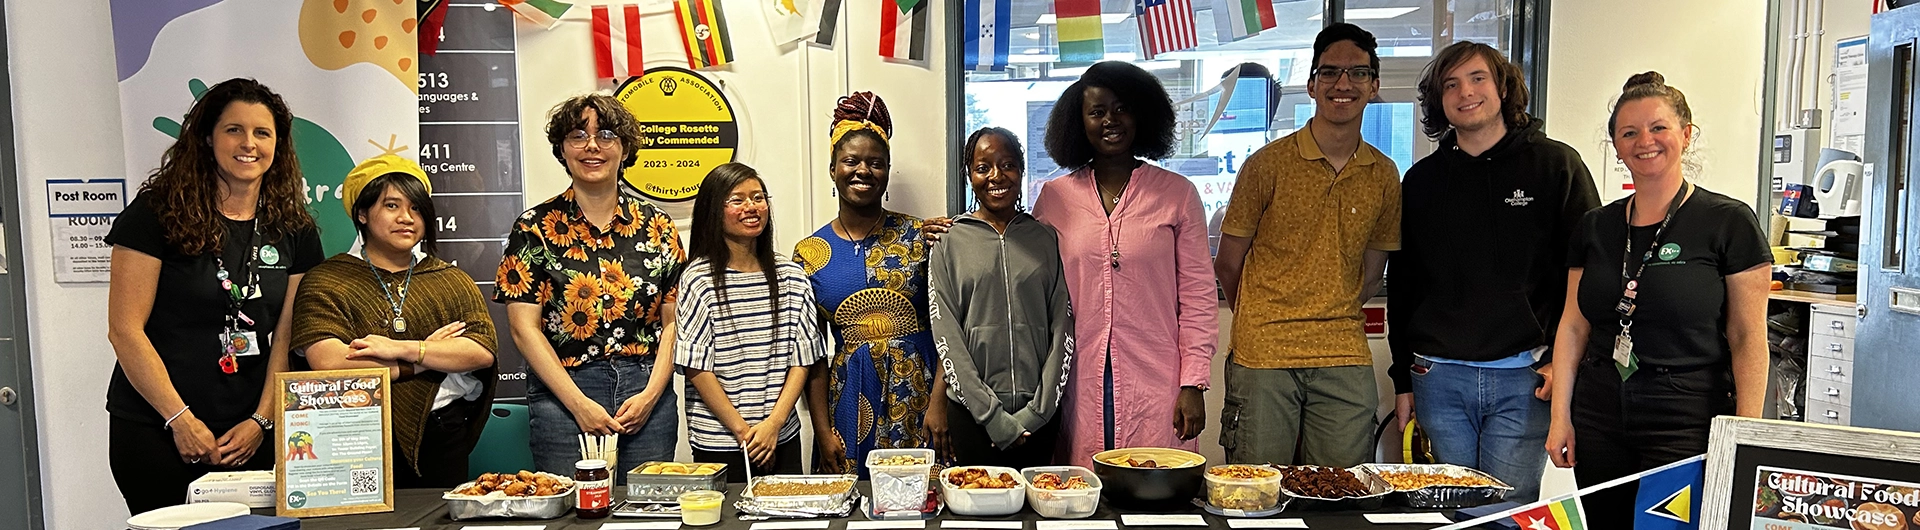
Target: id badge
<point>1623,349</point>
<point>241,344</point>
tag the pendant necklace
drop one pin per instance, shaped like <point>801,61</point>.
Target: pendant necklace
<point>859,244</point>
<point>399,322</point>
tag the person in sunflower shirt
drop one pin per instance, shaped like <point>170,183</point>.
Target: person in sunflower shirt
<point>868,269</point>
<point>588,280</point>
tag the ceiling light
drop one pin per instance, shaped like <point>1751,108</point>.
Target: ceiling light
<point>1373,13</point>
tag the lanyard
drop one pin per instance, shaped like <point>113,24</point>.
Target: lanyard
<point>237,294</point>
<point>1626,306</point>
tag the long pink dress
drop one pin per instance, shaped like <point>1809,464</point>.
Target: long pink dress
<point>1157,311</point>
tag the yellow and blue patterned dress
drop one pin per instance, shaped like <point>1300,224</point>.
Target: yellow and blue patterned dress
<point>874,293</point>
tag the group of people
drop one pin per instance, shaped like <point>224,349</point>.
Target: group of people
<point>1005,335</point>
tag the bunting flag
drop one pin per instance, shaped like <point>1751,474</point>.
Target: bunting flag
<point>903,34</point>
<point>791,20</point>
<point>908,5</point>
<point>703,31</point>
<point>616,42</point>
<point>544,13</point>
<point>829,21</point>
<point>1165,25</point>
<point>1670,499</point>
<point>1077,23</point>
<point>1565,514</point>
<point>988,25</point>
<point>1239,19</point>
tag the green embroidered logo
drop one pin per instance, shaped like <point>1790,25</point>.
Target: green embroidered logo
<point>1669,251</point>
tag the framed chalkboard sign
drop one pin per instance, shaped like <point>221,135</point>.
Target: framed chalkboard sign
<point>1769,474</point>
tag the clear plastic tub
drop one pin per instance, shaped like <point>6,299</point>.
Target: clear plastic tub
<point>900,487</point>
<point>1063,504</point>
<point>1245,494</point>
<point>984,501</point>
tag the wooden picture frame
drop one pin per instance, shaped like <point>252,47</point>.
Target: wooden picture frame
<point>1736,446</point>
<point>307,393</point>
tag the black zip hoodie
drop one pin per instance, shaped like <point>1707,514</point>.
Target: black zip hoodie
<point>1481,272</point>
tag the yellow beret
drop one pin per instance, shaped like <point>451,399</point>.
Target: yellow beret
<point>374,168</point>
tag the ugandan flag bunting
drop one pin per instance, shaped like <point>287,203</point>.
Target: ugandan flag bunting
<point>703,32</point>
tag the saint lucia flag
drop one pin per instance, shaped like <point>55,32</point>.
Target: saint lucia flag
<point>1670,498</point>
<point>989,23</point>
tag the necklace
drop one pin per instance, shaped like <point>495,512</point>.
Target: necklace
<point>1116,193</point>
<point>859,245</point>
<point>399,322</point>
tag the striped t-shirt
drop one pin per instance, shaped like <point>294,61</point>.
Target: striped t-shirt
<point>744,345</point>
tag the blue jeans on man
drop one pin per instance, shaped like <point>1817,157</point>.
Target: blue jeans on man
<point>555,436</point>
<point>1485,418</point>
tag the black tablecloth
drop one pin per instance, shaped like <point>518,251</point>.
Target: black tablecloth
<point>423,509</point>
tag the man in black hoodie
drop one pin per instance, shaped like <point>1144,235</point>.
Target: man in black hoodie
<point>1480,278</point>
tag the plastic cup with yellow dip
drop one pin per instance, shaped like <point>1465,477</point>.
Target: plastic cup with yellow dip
<point>700,507</point>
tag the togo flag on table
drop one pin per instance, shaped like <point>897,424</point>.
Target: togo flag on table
<point>703,32</point>
<point>1670,498</point>
<point>1239,19</point>
<point>1564,514</point>
<point>988,23</point>
<point>545,13</point>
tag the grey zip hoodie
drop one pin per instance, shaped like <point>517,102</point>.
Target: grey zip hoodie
<point>1002,323</point>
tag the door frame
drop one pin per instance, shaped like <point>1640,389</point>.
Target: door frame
<point>14,341</point>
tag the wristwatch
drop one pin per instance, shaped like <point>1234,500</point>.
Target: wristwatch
<point>265,424</point>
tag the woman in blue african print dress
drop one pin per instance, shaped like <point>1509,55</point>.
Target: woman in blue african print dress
<point>868,269</point>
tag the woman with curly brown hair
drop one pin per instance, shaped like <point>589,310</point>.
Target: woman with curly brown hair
<point>219,236</point>
<point>868,268</point>
<point>588,280</point>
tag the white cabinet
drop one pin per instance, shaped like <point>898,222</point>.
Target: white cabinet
<point>1830,375</point>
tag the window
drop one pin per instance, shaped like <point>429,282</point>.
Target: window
<point>1259,110</point>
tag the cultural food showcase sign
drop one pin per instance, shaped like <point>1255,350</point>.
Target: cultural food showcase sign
<point>1789,499</point>
<point>333,451</point>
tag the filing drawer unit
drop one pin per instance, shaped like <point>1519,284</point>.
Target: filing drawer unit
<point>1830,374</point>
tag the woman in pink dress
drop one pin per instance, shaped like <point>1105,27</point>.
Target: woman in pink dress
<point>1133,241</point>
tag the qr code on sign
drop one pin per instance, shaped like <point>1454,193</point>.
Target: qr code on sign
<point>363,481</point>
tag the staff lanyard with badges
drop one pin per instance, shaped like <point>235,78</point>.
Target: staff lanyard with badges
<point>1623,357</point>
<point>235,341</point>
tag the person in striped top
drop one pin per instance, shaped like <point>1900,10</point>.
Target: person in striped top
<point>747,331</point>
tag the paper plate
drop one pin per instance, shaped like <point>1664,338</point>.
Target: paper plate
<point>174,517</point>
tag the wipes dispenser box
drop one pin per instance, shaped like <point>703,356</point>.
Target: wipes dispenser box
<point>252,488</point>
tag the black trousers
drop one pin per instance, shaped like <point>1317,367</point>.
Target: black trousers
<point>786,461</point>
<point>148,468</point>
<point>1654,418</point>
<point>445,445</point>
<point>972,446</point>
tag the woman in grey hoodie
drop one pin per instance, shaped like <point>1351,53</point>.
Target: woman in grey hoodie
<point>1000,317</point>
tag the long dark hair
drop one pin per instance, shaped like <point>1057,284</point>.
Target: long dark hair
<point>710,235</point>
<point>409,187</point>
<point>185,190</point>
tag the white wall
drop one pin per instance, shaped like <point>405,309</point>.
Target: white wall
<point>67,112</point>
<point>1710,49</point>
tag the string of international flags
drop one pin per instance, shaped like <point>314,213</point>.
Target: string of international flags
<point>1164,25</point>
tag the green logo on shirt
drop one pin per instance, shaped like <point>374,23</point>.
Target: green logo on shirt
<point>271,256</point>
<point>1669,251</point>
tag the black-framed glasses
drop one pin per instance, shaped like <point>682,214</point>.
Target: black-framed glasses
<point>578,138</point>
<point>738,201</point>
<point>1359,74</point>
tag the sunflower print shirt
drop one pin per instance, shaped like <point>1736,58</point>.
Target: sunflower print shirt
<point>601,292</point>
<point>874,293</point>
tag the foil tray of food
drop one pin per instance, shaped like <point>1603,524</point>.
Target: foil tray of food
<point>798,496</point>
<point>1332,488</point>
<point>1439,485</point>
<point>523,495</point>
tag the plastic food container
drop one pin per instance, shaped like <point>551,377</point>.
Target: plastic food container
<point>1248,494</point>
<point>1443,496</point>
<point>700,507</point>
<point>984,501</point>
<point>1376,496</point>
<point>900,488</point>
<point>1063,504</point>
<point>501,505</point>
<point>667,480</point>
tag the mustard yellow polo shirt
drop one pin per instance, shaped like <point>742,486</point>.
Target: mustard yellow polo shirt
<point>1299,302</point>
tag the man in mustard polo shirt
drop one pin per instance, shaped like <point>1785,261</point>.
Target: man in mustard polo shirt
<point>1311,221</point>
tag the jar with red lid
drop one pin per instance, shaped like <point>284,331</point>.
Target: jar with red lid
<point>594,485</point>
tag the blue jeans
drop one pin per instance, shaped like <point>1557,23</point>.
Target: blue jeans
<point>1486,419</point>
<point>554,436</point>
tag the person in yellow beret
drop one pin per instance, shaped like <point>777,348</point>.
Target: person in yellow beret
<point>398,306</point>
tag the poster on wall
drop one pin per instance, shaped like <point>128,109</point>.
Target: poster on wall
<point>686,128</point>
<point>333,454</point>
<point>346,69</point>
<point>81,213</point>
<point>470,147</point>
<point>1850,95</point>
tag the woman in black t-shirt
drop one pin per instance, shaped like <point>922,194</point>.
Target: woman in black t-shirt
<point>205,261</point>
<point>1664,326</point>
